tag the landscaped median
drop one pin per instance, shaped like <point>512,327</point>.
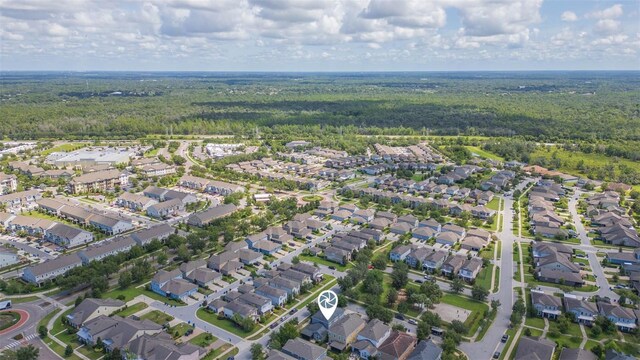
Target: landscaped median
<point>228,324</point>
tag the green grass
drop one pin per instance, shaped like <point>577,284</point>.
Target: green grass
<point>574,329</point>
<point>321,261</point>
<point>203,340</point>
<point>483,153</point>
<point>484,277</point>
<point>496,283</point>
<point>157,317</point>
<point>310,198</point>
<point>62,147</point>
<point>179,330</point>
<point>535,322</point>
<point>477,309</point>
<point>224,324</point>
<point>131,292</point>
<point>8,319</point>
<point>511,333</point>
<point>494,204</point>
<point>130,310</point>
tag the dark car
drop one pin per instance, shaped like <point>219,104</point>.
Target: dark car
<point>399,316</point>
<point>293,311</point>
<point>505,337</point>
<point>273,326</point>
<point>496,355</point>
<point>332,267</point>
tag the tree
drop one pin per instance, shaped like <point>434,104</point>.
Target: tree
<point>423,330</point>
<point>28,352</point>
<point>257,352</point>
<point>495,304</point>
<point>379,263</point>
<point>125,279</point>
<point>295,260</point>
<point>459,327</point>
<point>42,331</point>
<point>377,311</point>
<point>479,293</point>
<point>392,296</point>
<point>342,301</point>
<point>456,285</point>
<point>162,258</point>
<point>68,351</point>
<point>431,318</point>
<point>400,275</point>
<point>285,333</point>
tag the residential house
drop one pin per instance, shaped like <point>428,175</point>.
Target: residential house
<point>91,308</point>
<point>110,225</point>
<point>99,181</point>
<point>50,269</point>
<point>277,296</point>
<point>165,209</point>
<point>203,218</point>
<point>67,236</point>
<point>160,346</point>
<point>624,318</point>
<point>584,312</point>
<point>452,265</point>
<point>576,354</point>
<point>337,255</point>
<point>426,350</point>
<point>107,248</point>
<point>343,332</point>
<point>548,306</point>
<point>434,260</point>
<point>304,350</point>
<point>135,202</point>
<point>370,338</point>
<point>157,232</point>
<point>531,348</point>
<point>398,346</point>
<point>115,332</point>
<point>262,303</point>
<point>400,253</point>
<point>470,269</point>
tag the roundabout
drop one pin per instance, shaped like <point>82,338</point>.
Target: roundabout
<point>11,320</point>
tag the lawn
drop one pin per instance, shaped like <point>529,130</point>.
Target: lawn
<point>483,153</point>
<point>157,317</point>
<point>20,300</point>
<point>203,340</point>
<point>484,277</point>
<point>321,261</point>
<point>574,329</point>
<point>569,160</point>
<point>477,309</point>
<point>224,323</point>
<point>130,310</point>
<point>131,292</point>
<point>310,198</point>
<point>494,204</point>
<point>180,330</point>
<point>511,333</point>
<point>535,322</point>
<point>8,319</point>
<point>496,283</point>
<point>62,148</point>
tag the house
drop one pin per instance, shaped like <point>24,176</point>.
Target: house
<point>203,218</point>
<point>50,269</point>
<point>226,262</point>
<point>473,243</point>
<point>99,181</point>
<point>434,260</point>
<point>337,255</point>
<point>110,225</point>
<point>341,215</point>
<point>90,308</point>
<point>313,272</point>
<point>304,350</point>
<point>530,348</point>
<point>370,338</point>
<point>557,261</point>
<point>426,350</point>
<point>160,346</point>
<point>417,256</point>
<point>261,303</point>
<point>452,265</point>
<point>397,346</point>
<point>8,183</point>
<point>409,219</point>
<point>544,249</point>
<point>248,257</point>
<point>217,305</point>
<point>430,223</point>
<point>387,215</point>
<point>576,354</point>
<point>107,248</point>
<point>548,306</point>
<point>344,331</point>
<point>447,238</point>
<point>135,202</point>
<point>161,278</point>
<point>165,209</point>
<point>297,229</point>
<point>423,233</point>
<point>157,169</point>
<point>67,236</point>
<point>265,247</point>
<point>22,199</point>
<point>459,230</point>
<point>161,195</point>
<point>624,318</point>
<point>363,216</point>
<point>612,354</point>
<point>584,312</point>
<point>202,276</point>
<point>401,228</point>
<point>399,253</point>
<point>291,287</point>
<point>157,232</point>
<point>8,258</point>
<point>380,223</point>
<point>115,332</point>
<point>188,267</point>
<point>470,269</point>
<point>278,297</point>
<point>559,277</point>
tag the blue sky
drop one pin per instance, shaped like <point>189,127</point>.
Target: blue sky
<point>319,35</point>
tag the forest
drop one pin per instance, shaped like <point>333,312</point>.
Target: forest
<point>590,107</point>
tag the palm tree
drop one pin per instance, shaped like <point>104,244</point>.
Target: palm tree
<point>29,352</point>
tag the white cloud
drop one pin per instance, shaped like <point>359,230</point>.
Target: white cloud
<point>608,13</point>
<point>569,16</point>
<point>607,26</point>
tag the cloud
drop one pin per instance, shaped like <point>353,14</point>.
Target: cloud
<point>607,26</point>
<point>569,16</point>
<point>608,13</point>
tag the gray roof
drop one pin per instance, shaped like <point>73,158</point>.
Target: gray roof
<point>163,276</point>
<point>577,354</point>
<point>54,264</point>
<point>426,350</point>
<point>215,212</point>
<point>178,286</point>
<point>65,231</point>
<point>88,306</point>
<point>374,330</point>
<point>347,325</point>
<point>119,330</point>
<point>530,349</point>
<point>538,297</point>
<point>108,246</point>
<point>153,232</point>
<point>303,349</point>
<point>161,346</point>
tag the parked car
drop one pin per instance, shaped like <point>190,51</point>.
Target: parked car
<point>399,316</point>
<point>505,337</point>
<point>332,267</point>
<point>419,281</point>
<point>412,322</point>
<point>496,355</point>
